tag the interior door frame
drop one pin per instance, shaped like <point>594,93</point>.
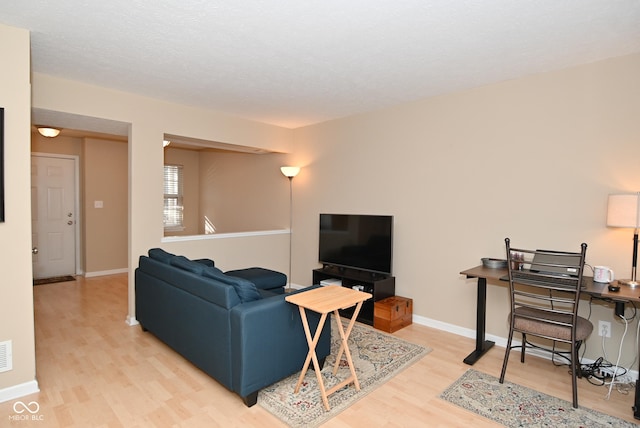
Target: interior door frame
<point>76,202</point>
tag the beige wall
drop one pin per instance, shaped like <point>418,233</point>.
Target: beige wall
<point>60,145</point>
<point>244,192</point>
<point>16,289</point>
<point>268,249</point>
<point>105,229</point>
<point>531,159</point>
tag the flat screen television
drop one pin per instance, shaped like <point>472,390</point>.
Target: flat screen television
<point>356,241</point>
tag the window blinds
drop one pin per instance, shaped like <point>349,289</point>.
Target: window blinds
<point>173,196</point>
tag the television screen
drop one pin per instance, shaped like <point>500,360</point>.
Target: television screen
<point>356,241</point>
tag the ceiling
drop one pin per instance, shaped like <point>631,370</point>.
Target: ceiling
<point>295,63</point>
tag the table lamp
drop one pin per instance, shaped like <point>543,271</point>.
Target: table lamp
<point>623,210</point>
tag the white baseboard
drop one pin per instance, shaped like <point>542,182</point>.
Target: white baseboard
<point>105,272</point>
<point>17,391</point>
<point>499,341</point>
<point>131,321</point>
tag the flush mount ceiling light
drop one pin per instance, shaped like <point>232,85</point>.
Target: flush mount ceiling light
<point>48,131</point>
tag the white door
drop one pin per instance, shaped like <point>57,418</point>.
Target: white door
<point>53,216</point>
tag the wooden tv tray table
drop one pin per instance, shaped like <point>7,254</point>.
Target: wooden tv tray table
<point>325,300</point>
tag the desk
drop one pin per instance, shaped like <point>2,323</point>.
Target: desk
<point>595,289</point>
<point>325,300</point>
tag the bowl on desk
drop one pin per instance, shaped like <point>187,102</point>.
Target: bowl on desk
<point>494,263</point>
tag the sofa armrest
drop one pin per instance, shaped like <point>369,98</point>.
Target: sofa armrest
<point>268,342</point>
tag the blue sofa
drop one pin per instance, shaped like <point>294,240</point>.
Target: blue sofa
<point>245,337</point>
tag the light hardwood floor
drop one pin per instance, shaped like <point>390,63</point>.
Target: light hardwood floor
<point>96,371</point>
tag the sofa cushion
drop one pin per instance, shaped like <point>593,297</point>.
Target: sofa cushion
<point>246,290</point>
<point>160,255</point>
<point>265,279</point>
<point>206,262</point>
<point>218,293</point>
<point>189,265</point>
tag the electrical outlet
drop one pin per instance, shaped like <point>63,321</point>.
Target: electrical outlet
<point>604,328</point>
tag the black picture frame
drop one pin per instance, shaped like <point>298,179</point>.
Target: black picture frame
<point>1,165</point>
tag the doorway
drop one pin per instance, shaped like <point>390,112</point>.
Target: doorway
<point>54,215</point>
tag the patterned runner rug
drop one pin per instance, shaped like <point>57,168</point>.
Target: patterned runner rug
<point>513,405</point>
<point>377,357</point>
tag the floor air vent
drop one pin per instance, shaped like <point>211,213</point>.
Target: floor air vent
<point>5,356</point>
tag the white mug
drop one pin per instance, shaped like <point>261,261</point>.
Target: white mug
<point>602,274</point>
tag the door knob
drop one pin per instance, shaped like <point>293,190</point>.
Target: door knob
<point>70,222</point>
<point>34,250</point>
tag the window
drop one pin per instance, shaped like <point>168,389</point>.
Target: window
<point>173,218</point>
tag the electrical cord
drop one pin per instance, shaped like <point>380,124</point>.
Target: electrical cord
<point>615,369</point>
<point>597,372</point>
<point>600,371</point>
<point>626,320</point>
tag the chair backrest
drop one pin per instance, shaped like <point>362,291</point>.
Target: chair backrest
<point>543,296</point>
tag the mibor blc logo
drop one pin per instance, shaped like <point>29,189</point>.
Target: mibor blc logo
<point>26,411</point>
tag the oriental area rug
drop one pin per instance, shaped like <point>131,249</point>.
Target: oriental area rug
<point>377,357</point>
<point>513,405</point>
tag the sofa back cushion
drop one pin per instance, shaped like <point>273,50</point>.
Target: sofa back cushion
<point>212,291</point>
<point>206,262</point>
<point>246,290</point>
<point>189,265</point>
<point>264,279</point>
<point>160,255</point>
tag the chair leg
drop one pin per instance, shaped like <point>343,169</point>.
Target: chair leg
<point>524,347</point>
<point>506,356</point>
<point>577,366</point>
<point>574,370</point>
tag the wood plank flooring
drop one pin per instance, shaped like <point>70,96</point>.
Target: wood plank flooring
<point>96,371</point>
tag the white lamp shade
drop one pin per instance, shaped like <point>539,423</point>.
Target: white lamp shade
<point>623,210</point>
<point>290,171</point>
<point>49,132</point>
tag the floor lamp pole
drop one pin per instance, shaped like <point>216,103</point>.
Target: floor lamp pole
<point>291,227</point>
<point>290,172</point>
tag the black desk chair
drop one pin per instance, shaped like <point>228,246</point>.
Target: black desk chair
<point>545,304</point>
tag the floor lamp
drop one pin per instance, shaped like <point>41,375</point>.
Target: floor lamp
<point>623,210</point>
<point>290,172</point>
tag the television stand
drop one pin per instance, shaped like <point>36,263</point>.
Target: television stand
<point>380,286</point>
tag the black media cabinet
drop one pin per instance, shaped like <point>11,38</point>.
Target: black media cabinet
<point>379,285</point>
